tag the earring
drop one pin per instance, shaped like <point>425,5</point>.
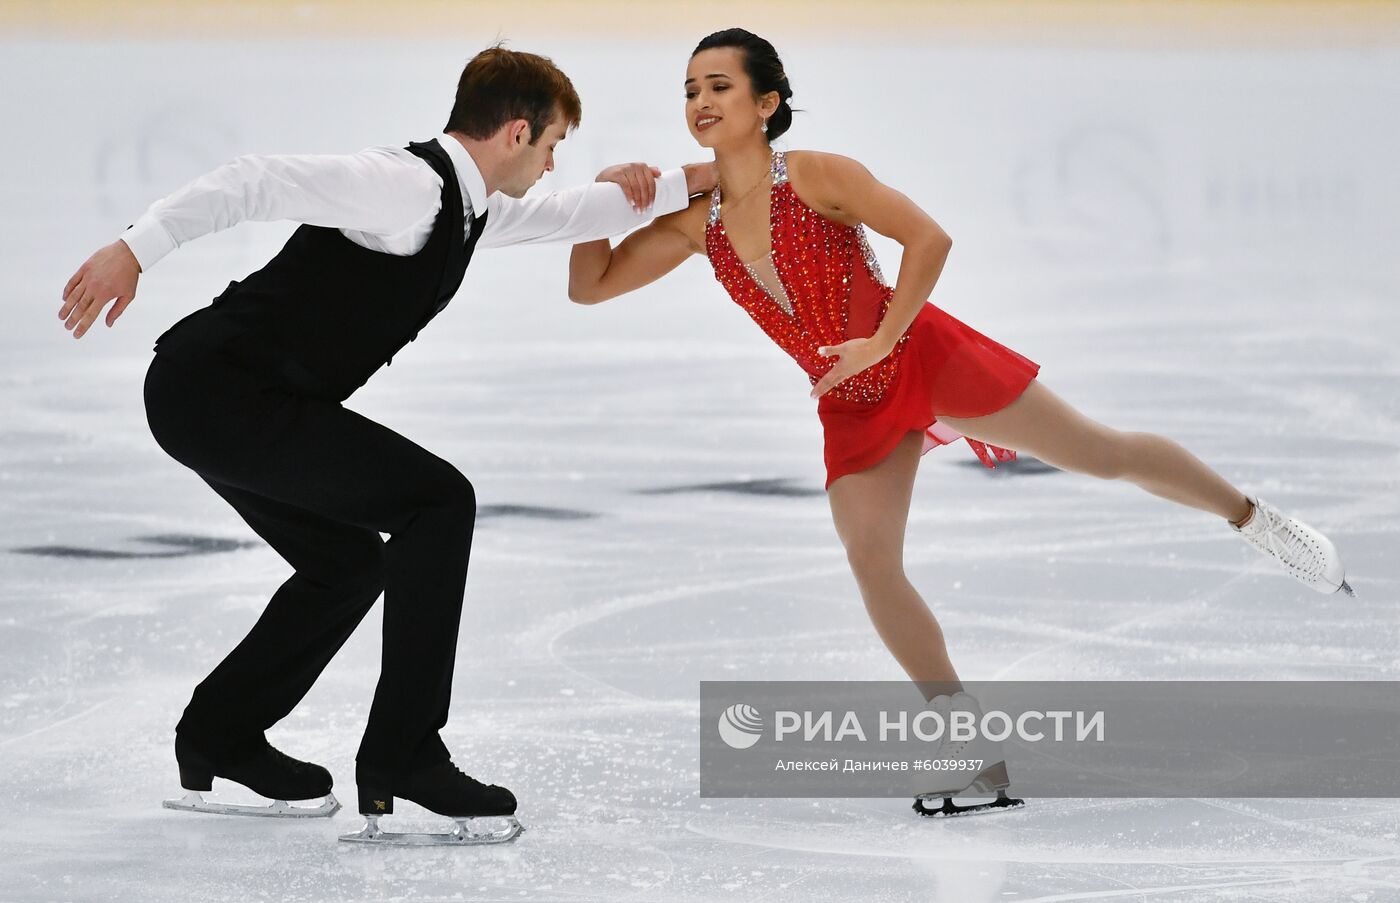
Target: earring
<point>764,126</point>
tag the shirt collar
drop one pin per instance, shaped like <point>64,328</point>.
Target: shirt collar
<point>469,177</point>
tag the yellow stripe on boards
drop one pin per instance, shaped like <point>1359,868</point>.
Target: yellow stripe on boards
<point>1052,22</point>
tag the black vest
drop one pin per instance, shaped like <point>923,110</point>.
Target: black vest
<point>324,314</point>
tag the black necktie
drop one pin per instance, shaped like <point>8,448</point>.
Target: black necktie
<point>478,223</point>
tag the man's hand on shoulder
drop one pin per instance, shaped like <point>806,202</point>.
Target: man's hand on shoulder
<point>700,178</point>
<point>638,181</point>
<point>109,274</point>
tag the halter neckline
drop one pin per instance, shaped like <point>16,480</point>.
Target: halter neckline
<point>777,171</point>
<point>775,291</point>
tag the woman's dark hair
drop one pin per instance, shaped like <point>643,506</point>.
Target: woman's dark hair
<point>763,68</point>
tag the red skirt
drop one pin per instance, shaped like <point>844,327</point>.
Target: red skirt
<point>948,367</point>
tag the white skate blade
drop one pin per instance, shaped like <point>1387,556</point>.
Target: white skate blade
<point>462,835</point>
<point>1332,587</point>
<point>193,801</point>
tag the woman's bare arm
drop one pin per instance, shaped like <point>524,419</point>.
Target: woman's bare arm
<point>841,189</point>
<point>598,271</point>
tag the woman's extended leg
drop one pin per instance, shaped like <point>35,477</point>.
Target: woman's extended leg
<point>870,510</point>
<point>1042,424</point>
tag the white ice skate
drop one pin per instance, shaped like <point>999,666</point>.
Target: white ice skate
<point>1307,555</point>
<point>984,773</point>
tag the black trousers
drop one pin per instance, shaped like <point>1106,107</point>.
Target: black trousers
<point>320,483</point>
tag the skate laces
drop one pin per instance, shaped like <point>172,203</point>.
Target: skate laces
<point>1281,539</point>
<point>296,766</point>
<point>949,748</point>
<point>471,781</point>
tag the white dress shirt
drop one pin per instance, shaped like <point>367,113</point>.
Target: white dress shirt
<point>385,199</point>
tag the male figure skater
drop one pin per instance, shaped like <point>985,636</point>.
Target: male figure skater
<point>247,392</point>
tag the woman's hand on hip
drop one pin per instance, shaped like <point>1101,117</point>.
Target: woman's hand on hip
<point>852,357</point>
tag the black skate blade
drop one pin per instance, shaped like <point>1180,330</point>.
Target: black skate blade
<point>464,834</point>
<point>193,801</point>
<point>950,809</point>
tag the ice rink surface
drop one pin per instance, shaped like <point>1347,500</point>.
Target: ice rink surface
<point>1193,240</point>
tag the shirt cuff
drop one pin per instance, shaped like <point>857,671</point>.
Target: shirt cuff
<point>148,241</point>
<point>670,193</point>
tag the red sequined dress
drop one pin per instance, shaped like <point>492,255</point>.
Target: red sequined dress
<point>821,285</point>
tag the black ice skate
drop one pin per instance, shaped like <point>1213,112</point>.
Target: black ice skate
<point>443,789</point>
<point>268,772</point>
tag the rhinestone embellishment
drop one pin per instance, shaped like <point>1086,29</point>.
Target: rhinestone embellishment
<point>814,259</point>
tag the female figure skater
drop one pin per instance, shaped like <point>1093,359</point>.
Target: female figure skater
<point>895,375</point>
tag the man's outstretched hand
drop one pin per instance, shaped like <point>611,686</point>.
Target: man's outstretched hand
<point>638,181</point>
<point>110,274</point>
